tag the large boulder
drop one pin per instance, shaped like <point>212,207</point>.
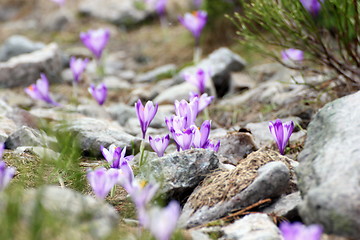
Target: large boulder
<point>329,169</point>
<point>25,69</point>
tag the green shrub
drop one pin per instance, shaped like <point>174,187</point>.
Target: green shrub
<point>330,39</point>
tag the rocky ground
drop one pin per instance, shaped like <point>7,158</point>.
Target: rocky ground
<point>241,192</point>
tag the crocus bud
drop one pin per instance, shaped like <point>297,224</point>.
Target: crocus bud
<point>99,93</point>
<point>40,90</point>
<point>96,40</point>
<point>281,133</point>
<point>145,114</point>
<point>194,22</point>
<point>77,66</point>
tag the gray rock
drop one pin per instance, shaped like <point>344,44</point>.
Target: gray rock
<point>121,112</point>
<point>26,136</point>
<point>92,133</point>
<point>235,146</point>
<point>220,63</point>
<point>122,12</point>
<point>286,206</point>
<point>215,198</point>
<point>329,169</point>
<point>116,83</point>
<point>7,127</point>
<point>181,172</point>
<point>25,69</point>
<point>82,215</point>
<point>41,152</point>
<point>177,92</point>
<point>154,75</point>
<point>252,227</point>
<point>17,45</point>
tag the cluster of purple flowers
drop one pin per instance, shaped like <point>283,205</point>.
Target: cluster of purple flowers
<point>102,180</point>
<point>182,125</point>
<point>95,41</point>
<point>6,173</point>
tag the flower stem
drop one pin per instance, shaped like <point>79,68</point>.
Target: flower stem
<point>142,150</point>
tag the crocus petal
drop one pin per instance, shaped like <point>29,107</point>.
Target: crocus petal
<point>298,231</point>
<point>96,40</point>
<point>145,114</point>
<point>102,180</point>
<point>163,221</point>
<point>281,133</point>
<point>159,144</point>
<point>312,6</point>
<point>77,67</point>
<point>99,93</point>
<point>194,22</point>
<point>6,174</point>
<point>292,54</point>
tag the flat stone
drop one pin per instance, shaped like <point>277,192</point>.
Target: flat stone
<point>26,136</point>
<point>252,227</point>
<point>286,206</point>
<point>329,169</point>
<point>122,12</point>
<point>92,133</point>
<point>17,45</point>
<point>177,92</point>
<point>25,69</point>
<point>154,74</point>
<point>256,178</point>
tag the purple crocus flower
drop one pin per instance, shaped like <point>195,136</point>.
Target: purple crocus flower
<point>187,110</point>
<point>115,156</point>
<point>102,180</point>
<point>176,122</point>
<point>184,138</point>
<point>141,194</point>
<point>194,22</point>
<point>213,147</point>
<point>204,100</point>
<point>163,221</point>
<point>6,173</point>
<point>95,40</point>
<point>77,66</point>
<point>312,6</point>
<point>40,90</point>
<point>198,79</point>
<point>126,176</point>
<point>160,7</point>
<point>292,54</point>
<point>298,231</point>
<point>159,144</point>
<point>281,133</point>
<point>201,135</point>
<point>99,93</point>
<point>145,114</point>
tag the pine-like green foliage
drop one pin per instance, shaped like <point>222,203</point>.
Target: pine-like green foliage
<point>329,39</point>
